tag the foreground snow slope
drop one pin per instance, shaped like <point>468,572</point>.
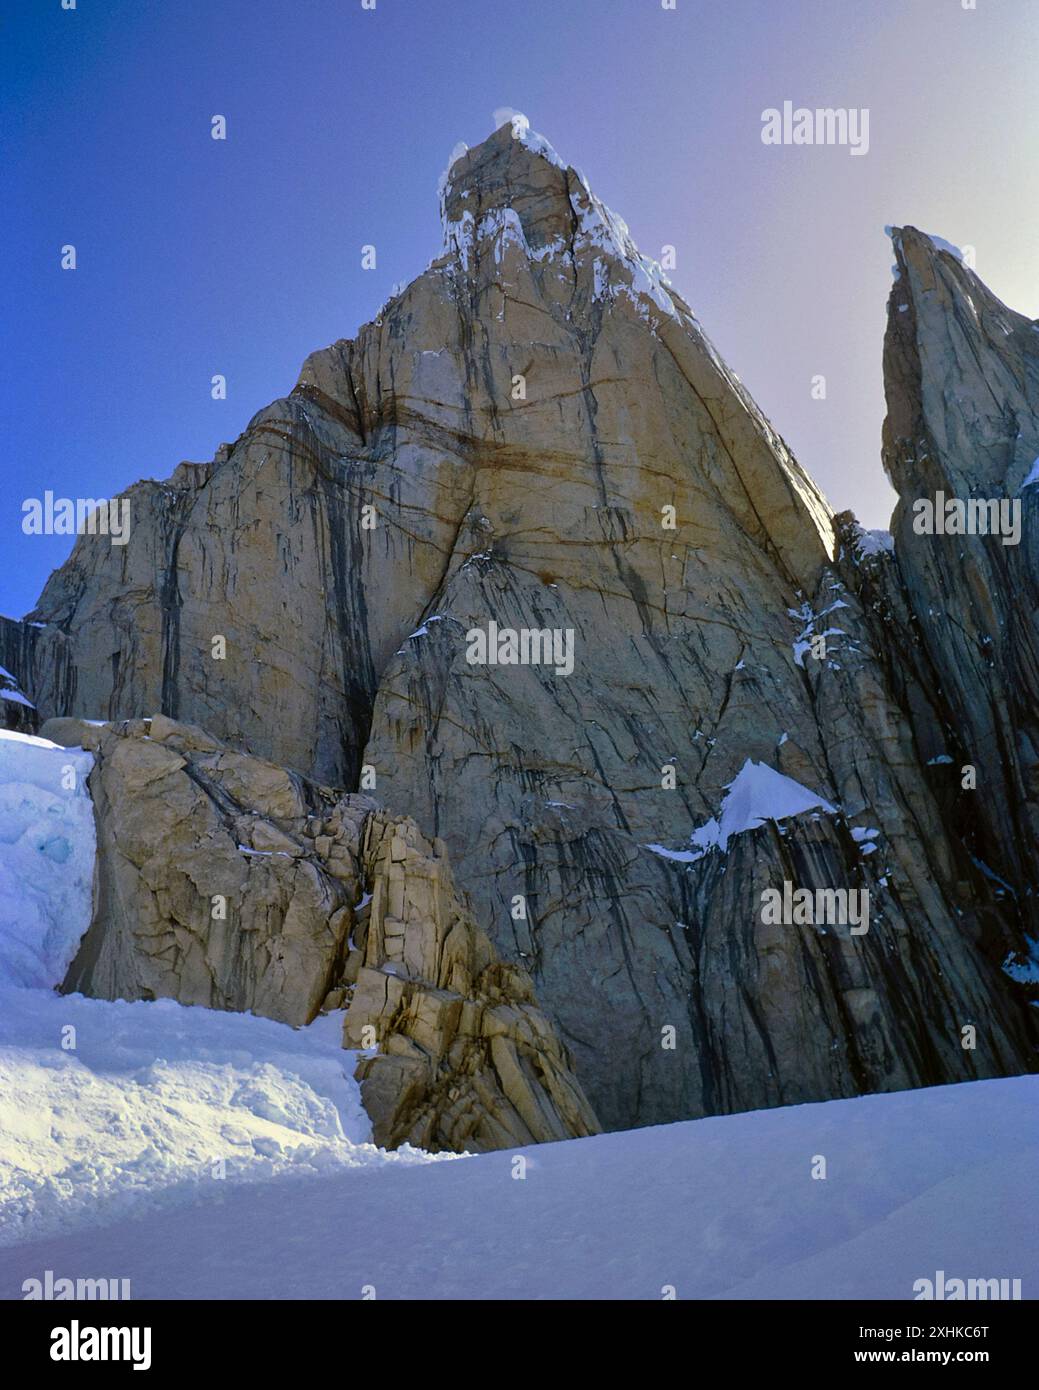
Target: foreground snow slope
<point>214,1155</point>
<point>917,1181</point>
<point>156,1100</point>
<point>110,1108</point>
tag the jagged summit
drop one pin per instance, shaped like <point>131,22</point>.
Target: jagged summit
<point>928,265</point>
<point>515,187</point>
<point>941,308</point>
<point>936,243</point>
<point>500,167</point>
<point>961,377</point>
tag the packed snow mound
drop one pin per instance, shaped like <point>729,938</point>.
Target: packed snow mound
<point>47,849</point>
<point>110,1108</point>
<point>735,1206</point>
<point>757,794</point>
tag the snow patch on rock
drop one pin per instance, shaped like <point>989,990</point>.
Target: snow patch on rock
<point>875,542</point>
<point>537,144</point>
<point>1033,477</point>
<point>808,618</point>
<point>619,268</point>
<point>757,794</point>
<point>601,229</point>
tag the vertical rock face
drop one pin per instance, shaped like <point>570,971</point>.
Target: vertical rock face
<point>16,711</point>
<point>536,437</point>
<point>962,380</point>
<point>32,665</point>
<point>222,880</point>
<point>227,882</point>
<point>466,1058</point>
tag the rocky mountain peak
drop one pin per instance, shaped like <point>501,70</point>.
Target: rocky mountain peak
<point>535,443</point>
<point>516,169</point>
<point>943,318</point>
<point>961,447</point>
<point>514,188</point>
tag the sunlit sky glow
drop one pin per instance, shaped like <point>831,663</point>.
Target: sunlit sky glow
<point>240,257</point>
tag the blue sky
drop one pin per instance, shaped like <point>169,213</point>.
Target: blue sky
<point>198,257</point>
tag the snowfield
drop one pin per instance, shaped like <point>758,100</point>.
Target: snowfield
<point>213,1155</point>
<point>917,1182</point>
<point>159,1104</point>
